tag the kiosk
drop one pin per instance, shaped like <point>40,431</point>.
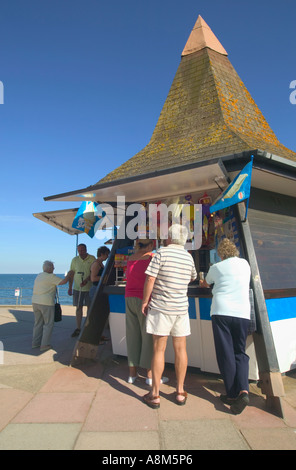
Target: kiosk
<point>207,131</point>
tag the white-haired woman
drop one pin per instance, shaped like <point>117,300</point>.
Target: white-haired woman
<point>43,302</point>
<point>230,313</point>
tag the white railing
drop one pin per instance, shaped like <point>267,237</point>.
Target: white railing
<point>23,296</point>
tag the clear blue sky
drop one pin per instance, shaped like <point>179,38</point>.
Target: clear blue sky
<point>85,82</point>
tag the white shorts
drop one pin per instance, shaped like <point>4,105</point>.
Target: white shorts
<point>161,324</point>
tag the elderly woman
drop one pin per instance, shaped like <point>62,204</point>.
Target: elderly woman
<point>230,312</point>
<point>139,343</point>
<point>43,301</point>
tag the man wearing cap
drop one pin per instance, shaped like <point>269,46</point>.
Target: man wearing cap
<point>80,274</point>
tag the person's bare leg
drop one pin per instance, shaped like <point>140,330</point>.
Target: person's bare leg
<point>132,371</point>
<point>149,373</point>
<point>181,361</point>
<point>157,365</point>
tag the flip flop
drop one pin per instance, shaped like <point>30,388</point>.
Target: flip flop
<point>148,399</point>
<point>181,402</point>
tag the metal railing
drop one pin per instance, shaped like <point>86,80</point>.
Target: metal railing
<point>23,296</point>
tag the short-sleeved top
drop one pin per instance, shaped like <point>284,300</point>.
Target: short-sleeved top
<point>135,277</point>
<point>79,265</point>
<point>44,289</point>
<point>231,279</point>
<point>173,267</point>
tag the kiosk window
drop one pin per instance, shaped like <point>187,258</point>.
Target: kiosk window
<point>274,238</point>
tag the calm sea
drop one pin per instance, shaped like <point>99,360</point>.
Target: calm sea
<point>17,289</point>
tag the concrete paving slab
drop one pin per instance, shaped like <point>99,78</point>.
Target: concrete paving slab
<point>30,377</point>
<point>44,403</point>
<point>11,403</point>
<point>270,439</point>
<point>256,414</point>
<point>201,403</point>
<point>289,412</point>
<point>69,379</point>
<point>201,434</point>
<point>56,408</point>
<point>117,407</point>
<point>16,327</point>
<point>39,436</point>
<point>289,381</point>
<point>148,440</point>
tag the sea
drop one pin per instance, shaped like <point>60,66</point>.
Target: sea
<point>17,289</point>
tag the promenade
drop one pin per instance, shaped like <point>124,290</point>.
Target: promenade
<point>46,404</point>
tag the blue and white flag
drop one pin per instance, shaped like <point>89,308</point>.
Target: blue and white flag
<point>237,191</point>
<point>88,214</point>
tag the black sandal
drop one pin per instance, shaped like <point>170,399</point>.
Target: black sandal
<point>240,403</point>
<point>181,402</point>
<point>148,399</point>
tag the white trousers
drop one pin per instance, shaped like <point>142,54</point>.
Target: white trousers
<point>44,321</point>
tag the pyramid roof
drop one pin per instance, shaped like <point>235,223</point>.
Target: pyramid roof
<point>208,114</point>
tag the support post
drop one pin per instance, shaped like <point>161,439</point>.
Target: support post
<point>98,312</point>
<point>269,373</point>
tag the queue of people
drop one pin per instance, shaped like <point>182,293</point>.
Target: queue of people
<point>157,307</point>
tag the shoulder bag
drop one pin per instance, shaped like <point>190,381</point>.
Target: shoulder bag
<point>57,308</point>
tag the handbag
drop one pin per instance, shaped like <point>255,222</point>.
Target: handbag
<point>252,325</point>
<point>57,309</point>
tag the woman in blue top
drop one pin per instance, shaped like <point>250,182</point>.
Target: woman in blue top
<point>230,312</point>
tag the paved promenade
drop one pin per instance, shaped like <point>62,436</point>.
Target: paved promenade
<point>45,404</point>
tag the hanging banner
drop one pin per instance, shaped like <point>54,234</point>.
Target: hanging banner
<point>88,214</point>
<point>237,191</point>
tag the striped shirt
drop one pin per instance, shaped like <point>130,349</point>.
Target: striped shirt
<point>173,268</point>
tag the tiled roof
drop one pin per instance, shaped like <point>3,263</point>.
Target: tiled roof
<point>208,113</point>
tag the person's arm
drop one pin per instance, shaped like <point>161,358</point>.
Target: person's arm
<point>193,273</point>
<point>209,278</point>
<point>204,283</point>
<point>65,280</point>
<point>148,287</point>
<point>85,281</point>
<point>94,271</point>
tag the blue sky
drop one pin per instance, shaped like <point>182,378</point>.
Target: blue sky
<point>84,84</point>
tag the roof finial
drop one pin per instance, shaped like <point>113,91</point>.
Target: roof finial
<point>202,36</point>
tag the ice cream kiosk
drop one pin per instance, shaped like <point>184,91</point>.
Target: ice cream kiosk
<point>207,132</point>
